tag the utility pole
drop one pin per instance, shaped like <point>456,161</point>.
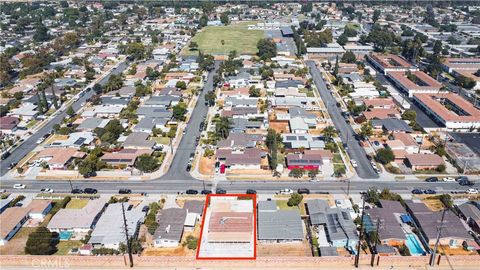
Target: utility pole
<point>357,256</point>
<point>348,188</point>
<point>129,246</point>
<point>432,258</point>
<point>374,251</point>
<point>70,182</point>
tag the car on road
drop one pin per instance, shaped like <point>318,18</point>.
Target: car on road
<point>90,191</point>
<point>285,191</point>
<point>46,190</point>
<point>76,191</point>
<point>12,165</point>
<point>206,191</point>
<point>189,167</point>
<point>472,191</point>
<point>417,191</point>
<point>354,163</point>
<point>251,191</point>
<point>449,179</point>
<point>192,155</point>
<point>191,192</point>
<point>19,186</point>
<point>124,191</point>
<point>40,140</point>
<point>5,155</point>
<point>432,179</point>
<point>465,182</point>
<point>220,191</point>
<point>303,191</point>
<point>429,191</point>
<point>376,143</point>
<point>314,180</point>
<point>145,209</point>
<point>130,206</point>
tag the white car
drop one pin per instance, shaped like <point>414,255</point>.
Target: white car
<point>472,191</point>
<point>314,180</point>
<point>39,141</point>
<point>449,179</point>
<point>46,190</point>
<point>19,186</point>
<point>354,163</point>
<point>286,191</point>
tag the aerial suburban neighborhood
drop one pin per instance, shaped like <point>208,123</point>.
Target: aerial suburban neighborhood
<point>240,134</point>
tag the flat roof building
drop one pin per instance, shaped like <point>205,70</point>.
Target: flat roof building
<point>387,63</point>
<point>415,82</point>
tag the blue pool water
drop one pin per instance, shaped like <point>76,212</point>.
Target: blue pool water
<point>65,235</point>
<point>413,245</point>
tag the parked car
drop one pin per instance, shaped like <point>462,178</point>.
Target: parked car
<point>461,178</point>
<point>220,191</point>
<point>12,165</point>
<point>251,191</point>
<point>285,191</point>
<point>206,191</point>
<point>130,206</point>
<point>191,191</point>
<point>449,179</point>
<point>429,191</point>
<point>90,191</point>
<point>46,190</point>
<point>76,191</point>
<point>192,155</point>
<point>465,182</point>
<point>303,191</point>
<point>472,191</point>
<point>40,140</point>
<point>417,191</point>
<point>189,167</point>
<point>19,186</point>
<point>431,179</point>
<point>354,163</point>
<point>145,209</point>
<point>124,191</point>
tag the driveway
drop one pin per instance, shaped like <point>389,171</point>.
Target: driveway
<point>355,151</point>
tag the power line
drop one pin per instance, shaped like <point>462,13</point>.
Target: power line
<point>129,244</point>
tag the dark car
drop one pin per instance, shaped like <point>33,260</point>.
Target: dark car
<point>130,206</point>
<point>12,165</point>
<point>206,191</point>
<point>303,191</point>
<point>221,191</point>
<point>76,191</point>
<point>461,178</point>
<point>5,155</point>
<point>189,167</point>
<point>146,208</point>
<point>124,191</point>
<point>432,179</point>
<point>465,182</point>
<point>90,191</point>
<point>417,191</point>
<point>429,191</point>
<point>192,191</point>
<point>251,191</point>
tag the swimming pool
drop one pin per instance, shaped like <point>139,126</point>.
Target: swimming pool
<point>413,245</point>
<point>65,235</point>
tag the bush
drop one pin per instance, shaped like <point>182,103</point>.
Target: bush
<point>297,173</point>
<point>16,200</point>
<point>295,199</point>
<point>191,242</point>
<point>385,155</point>
<point>41,242</point>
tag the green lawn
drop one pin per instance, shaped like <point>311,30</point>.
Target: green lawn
<point>64,247</point>
<point>77,203</point>
<point>282,204</point>
<point>337,158</point>
<point>162,140</point>
<point>235,37</point>
<point>31,123</point>
<point>355,26</point>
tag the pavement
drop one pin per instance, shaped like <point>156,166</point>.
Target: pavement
<point>355,151</point>
<point>31,142</point>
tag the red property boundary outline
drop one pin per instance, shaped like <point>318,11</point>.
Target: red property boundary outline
<point>207,203</point>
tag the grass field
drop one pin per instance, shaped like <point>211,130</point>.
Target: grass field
<point>235,37</point>
<point>77,203</point>
<point>64,247</point>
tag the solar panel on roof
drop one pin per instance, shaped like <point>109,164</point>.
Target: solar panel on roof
<point>80,141</point>
<point>291,138</point>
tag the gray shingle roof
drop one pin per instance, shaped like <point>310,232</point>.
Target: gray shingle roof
<point>267,206</point>
<point>280,225</point>
<point>154,112</point>
<point>392,124</point>
<point>170,224</point>
<point>138,139</point>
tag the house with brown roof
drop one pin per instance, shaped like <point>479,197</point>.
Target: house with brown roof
<point>308,160</point>
<point>449,110</point>
<point>125,156</point>
<point>387,63</point>
<point>411,145</point>
<point>38,209</point>
<point>424,161</point>
<point>380,103</point>
<point>12,219</point>
<point>415,82</point>
<point>8,124</point>
<point>59,158</point>
<point>381,114</point>
<point>249,158</point>
<point>466,67</point>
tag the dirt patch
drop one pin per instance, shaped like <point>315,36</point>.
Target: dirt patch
<point>175,251</point>
<point>16,245</point>
<point>454,251</point>
<point>280,127</point>
<point>206,165</point>
<point>291,249</point>
<point>434,204</point>
<point>243,172</point>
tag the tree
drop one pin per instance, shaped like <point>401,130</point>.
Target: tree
<point>349,57</point>
<point>223,126</point>
<point>70,112</point>
<point>179,111</point>
<point>224,18</point>
<point>295,199</point>
<point>313,173</point>
<point>335,69</point>
<point>254,92</point>
<point>191,242</point>
<point>203,20</point>
<point>409,115</point>
<point>193,46</point>
<point>5,69</point>
<point>329,132</point>
<point>146,163</point>
<point>210,98</point>
<point>205,62</point>
<point>385,155</point>
<point>376,15</point>
<point>297,172</point>
<point>41,242</point>
<point>366,130</point>
<point>342,39</point>
<point>267,48</point>
<point>41,33</point>
<point>181,85</point>
<point>3,110</point>
<point>136,50</point>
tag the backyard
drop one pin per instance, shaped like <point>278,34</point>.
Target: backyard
<point>235,38</point>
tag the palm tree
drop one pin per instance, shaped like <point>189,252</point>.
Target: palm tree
<point>329,132</point>
<point>223,127</point>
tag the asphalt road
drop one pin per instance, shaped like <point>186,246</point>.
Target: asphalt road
<point>30,143</point>
<point>187,144</point>
<point>355,151</point>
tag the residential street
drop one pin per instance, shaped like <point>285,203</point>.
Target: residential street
<point>355,151</point>
<point>177,170</point>
<point>30,143</point>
